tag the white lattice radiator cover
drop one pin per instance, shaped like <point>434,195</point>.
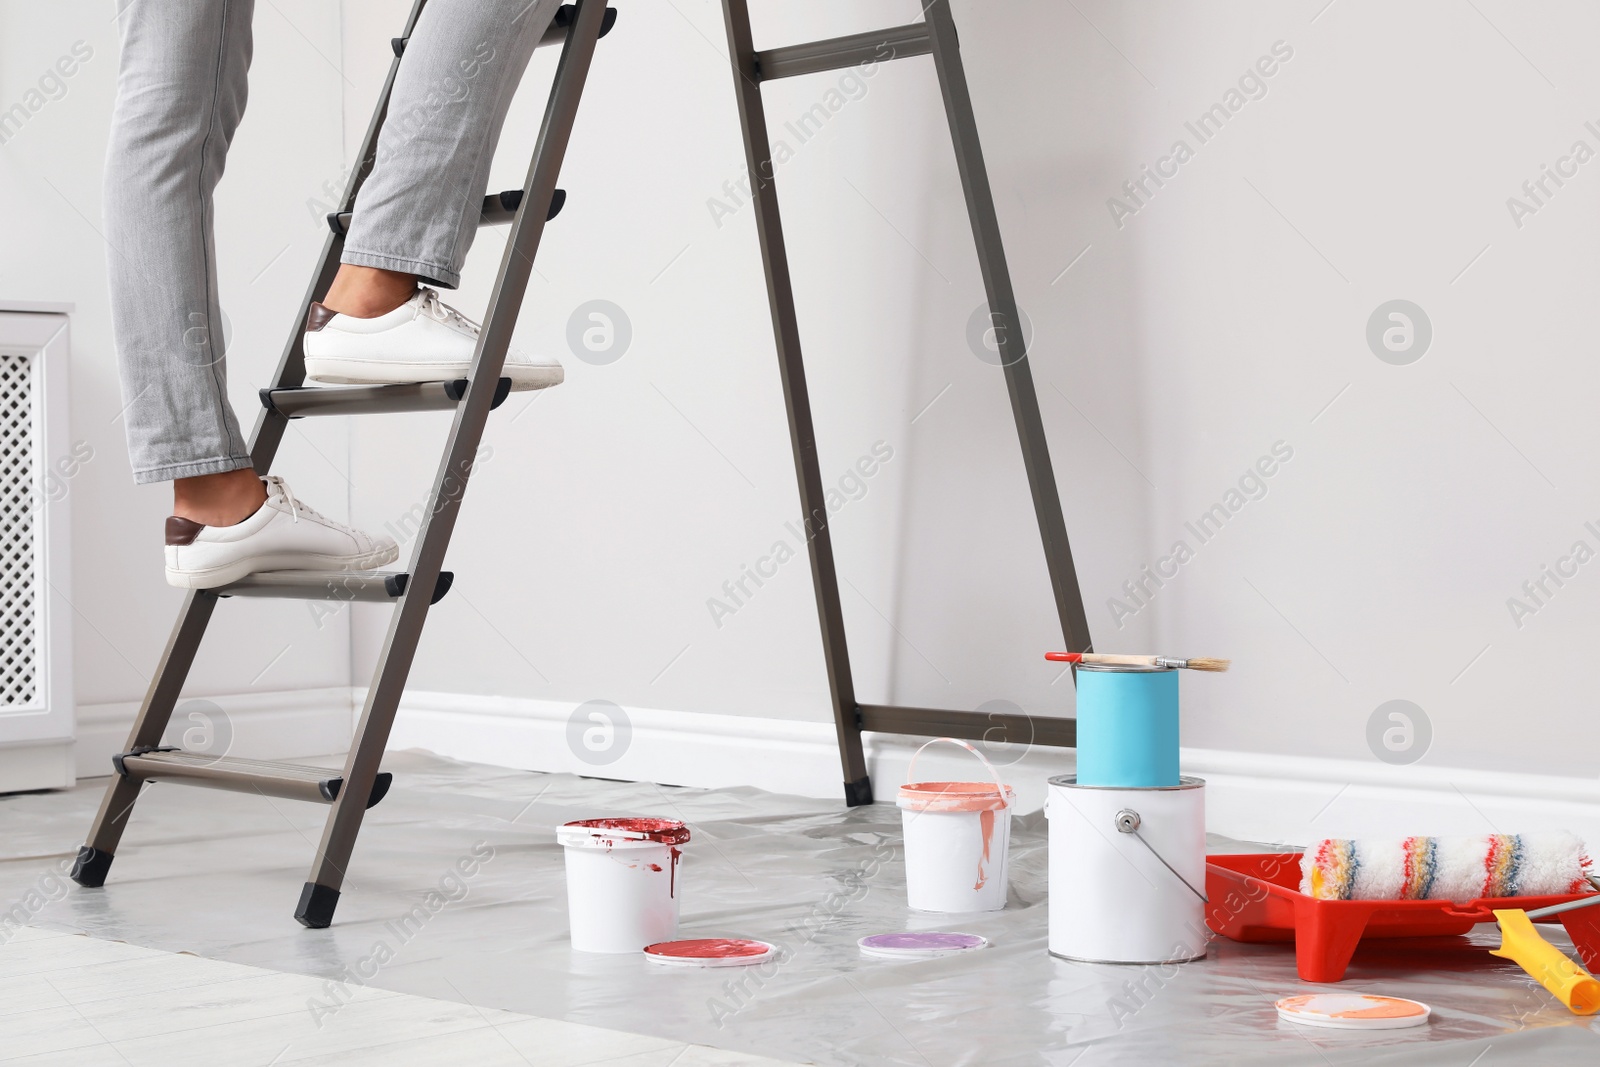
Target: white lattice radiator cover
<point>38,465</point>
<point>20,499</point>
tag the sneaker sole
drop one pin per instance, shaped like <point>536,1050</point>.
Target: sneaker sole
<point>331,370</point>
<point>212,577</point>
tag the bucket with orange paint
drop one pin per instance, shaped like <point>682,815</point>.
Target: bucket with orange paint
<point>957,835</point>
<point>622,882</point>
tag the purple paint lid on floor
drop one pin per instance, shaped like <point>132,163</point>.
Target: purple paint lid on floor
<point>919,944</point>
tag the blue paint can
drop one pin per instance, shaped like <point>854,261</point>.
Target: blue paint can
<point>1127,727</point>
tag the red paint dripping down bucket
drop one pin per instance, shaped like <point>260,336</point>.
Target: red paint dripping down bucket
<point>622,882</point>
<point>957,835</point>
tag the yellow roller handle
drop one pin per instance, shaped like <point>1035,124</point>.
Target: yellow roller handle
<point>1520,942</point>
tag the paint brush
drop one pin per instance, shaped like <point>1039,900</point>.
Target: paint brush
<point>1201,663</point>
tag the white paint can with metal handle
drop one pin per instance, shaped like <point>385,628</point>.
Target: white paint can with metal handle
<point>1127,872</point>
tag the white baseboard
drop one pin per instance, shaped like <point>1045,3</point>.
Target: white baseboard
<point>1252,796</point>
<point>36,765</point>
<point>670,747</point>
<point>289,724</point>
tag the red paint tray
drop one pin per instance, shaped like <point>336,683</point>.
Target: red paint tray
<point>1255,897</point>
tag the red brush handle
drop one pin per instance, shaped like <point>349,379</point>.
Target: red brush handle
<point>1064,657</point>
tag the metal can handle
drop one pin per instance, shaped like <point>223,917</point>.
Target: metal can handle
<point>1128,821</point>
<point>912,768</point>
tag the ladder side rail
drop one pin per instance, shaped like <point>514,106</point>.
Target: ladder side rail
<point>1008,332</point>
<point>321,891</point>
<point>802,433</point>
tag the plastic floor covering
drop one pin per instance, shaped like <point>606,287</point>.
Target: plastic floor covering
<point>456,892</point>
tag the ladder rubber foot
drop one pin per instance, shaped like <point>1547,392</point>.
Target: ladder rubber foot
<point>858,792</point>
<point>91,867</point>
<point>315,910</point>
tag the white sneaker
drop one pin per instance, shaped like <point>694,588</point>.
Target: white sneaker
<point>282,535</point>
<point>422,340</point>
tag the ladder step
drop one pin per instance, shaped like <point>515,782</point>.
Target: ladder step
<point>556,34</point>
<point>372,399</point>
<point>290,781</point>
<point>498,209</point>
<point>501,208</point>
<point>371,586</point>
<point>899,42</point>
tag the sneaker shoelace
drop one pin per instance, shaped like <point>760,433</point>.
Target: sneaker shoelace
<point>436,309</point>
<point>296,508</point>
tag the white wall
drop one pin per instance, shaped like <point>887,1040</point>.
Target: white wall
<point>51,249</point>
<point>1221,318</point>
<point>1227,314</point>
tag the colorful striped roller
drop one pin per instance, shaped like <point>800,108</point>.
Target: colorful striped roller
<point>1446,868</point>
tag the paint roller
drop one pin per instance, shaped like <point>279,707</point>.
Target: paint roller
<point>1462,869</point>
<point>1446,868</point>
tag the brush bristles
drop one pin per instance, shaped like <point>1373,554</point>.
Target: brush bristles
<point>1208,664</point>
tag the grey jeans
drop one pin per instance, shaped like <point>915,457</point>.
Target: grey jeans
<point>181,90</point>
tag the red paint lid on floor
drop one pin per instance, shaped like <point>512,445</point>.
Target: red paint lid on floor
<point>710,952</point>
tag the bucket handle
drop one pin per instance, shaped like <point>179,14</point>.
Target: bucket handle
<point>1128,821</point>
<point>911,769</point>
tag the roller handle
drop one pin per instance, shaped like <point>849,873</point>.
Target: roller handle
<point>1557,909</point>
<point>1549,966</point>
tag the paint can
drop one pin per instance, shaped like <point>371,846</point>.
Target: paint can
<point>1127,872</point>
<point>957,835</point>
<point>1127,726</point>
<point>622,882</point>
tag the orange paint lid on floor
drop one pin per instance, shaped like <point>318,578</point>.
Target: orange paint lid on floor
<point>1353,1011</point>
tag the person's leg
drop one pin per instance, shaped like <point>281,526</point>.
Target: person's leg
<point>181,89</point>
<point>218,499</point>
<point>367,292</point>
<point>417,214</point>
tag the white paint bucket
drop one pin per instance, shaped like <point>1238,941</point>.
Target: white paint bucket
<point>957,835</point>
<point>1113,896</point>
<point>622,882</point>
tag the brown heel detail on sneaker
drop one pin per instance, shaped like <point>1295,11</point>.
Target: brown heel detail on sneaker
<point>182,531</point>
<point>318,317</point>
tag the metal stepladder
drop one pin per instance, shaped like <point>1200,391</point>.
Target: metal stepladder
<point>361,784</point>
<point>935,36</point>
<point>577,27</point>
